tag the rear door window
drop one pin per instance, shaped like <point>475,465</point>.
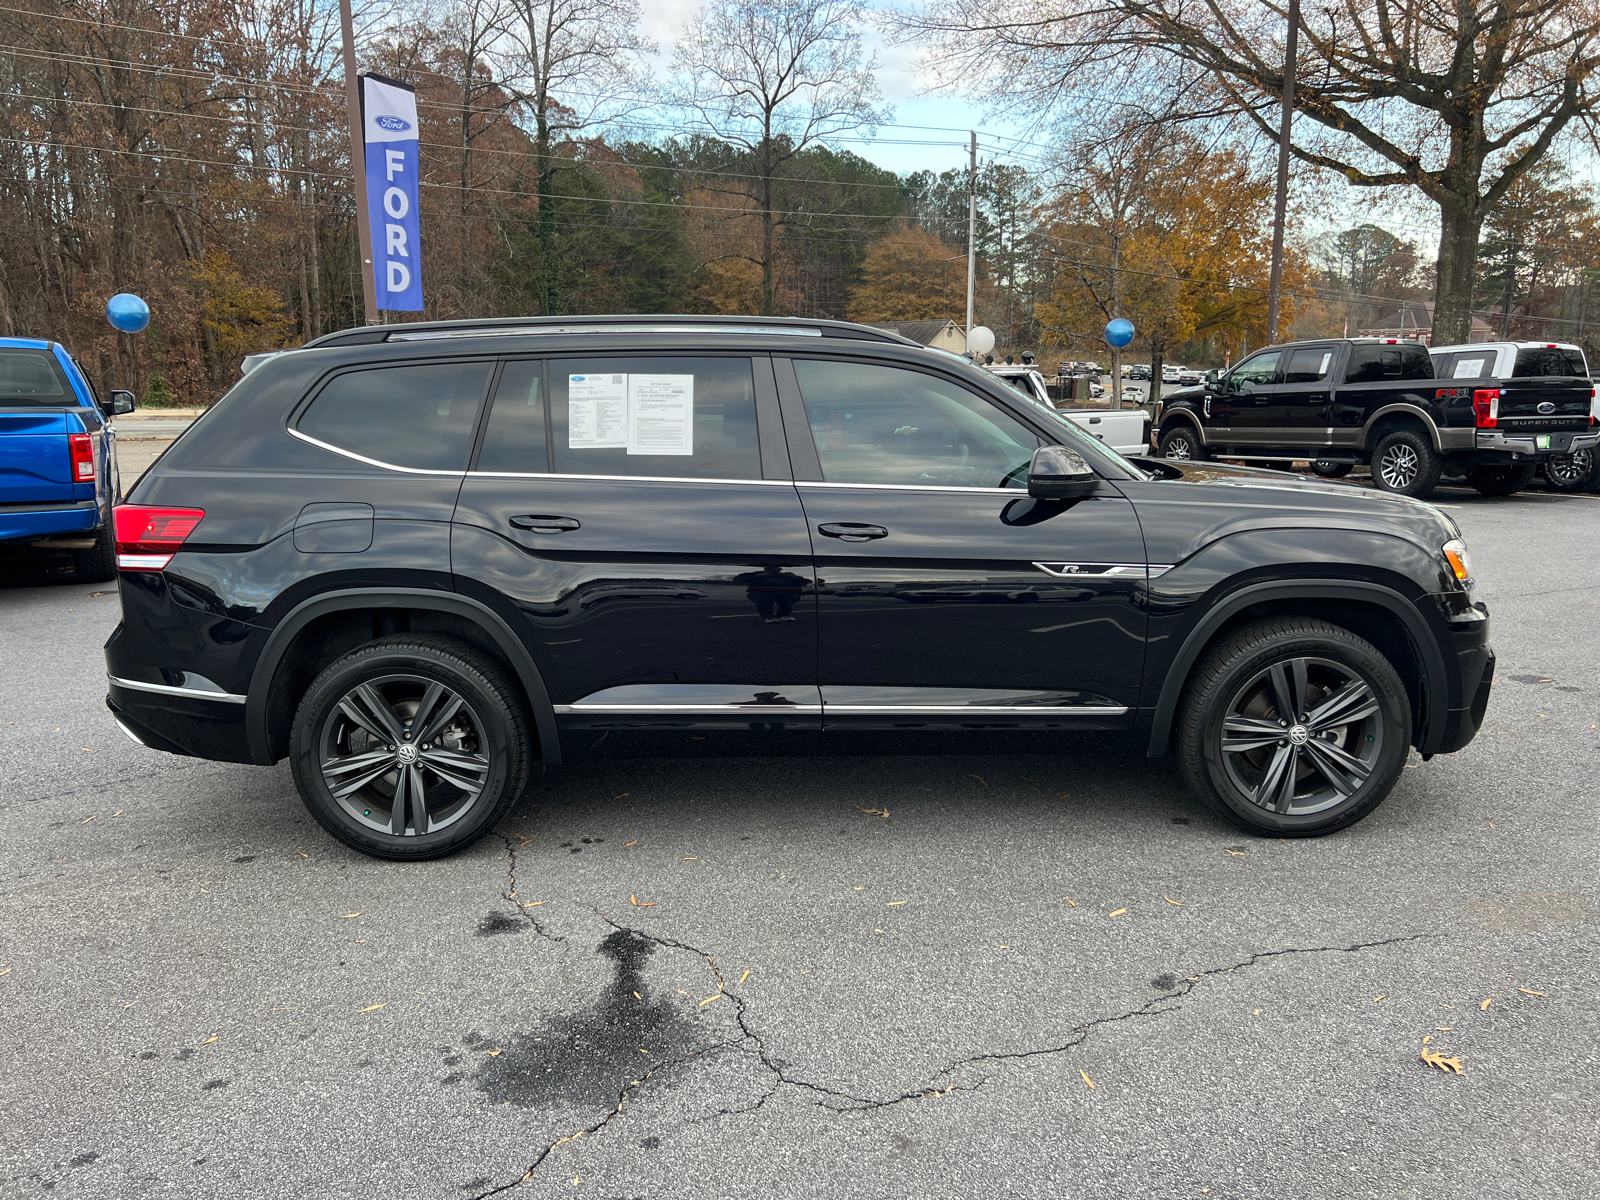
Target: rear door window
<point>1309,364</point>
<point>33,379</point>
<point>417,415</point>
<point>1534,361</point>
<point>663,417</point>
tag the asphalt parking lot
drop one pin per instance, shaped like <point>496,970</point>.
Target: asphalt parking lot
<point>957,976</point>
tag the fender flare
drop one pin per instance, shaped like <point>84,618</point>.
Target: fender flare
<point>1402,409</point>
<point>1435,680</point>
<point>504,637</point>
<point>1168,417</point>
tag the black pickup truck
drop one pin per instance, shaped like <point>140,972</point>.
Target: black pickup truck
<point>1347,401</point>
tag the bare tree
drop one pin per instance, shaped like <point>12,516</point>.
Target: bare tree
<point>577,64</point>
<point>772,77</point>
<point>1457,99</point>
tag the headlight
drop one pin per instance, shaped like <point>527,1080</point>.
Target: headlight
<point>1456,554</point>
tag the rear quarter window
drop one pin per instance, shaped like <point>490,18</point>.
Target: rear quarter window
<point>1534,361</point>
<point>33,379</point>
<point>1373,364</point>
<point>417,415</point>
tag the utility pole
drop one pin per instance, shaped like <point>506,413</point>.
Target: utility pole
<point>358,157</point>
<point>1280,204</point>
<point>972,227</point>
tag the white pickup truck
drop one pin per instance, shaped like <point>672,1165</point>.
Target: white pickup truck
<point>1127,431</point>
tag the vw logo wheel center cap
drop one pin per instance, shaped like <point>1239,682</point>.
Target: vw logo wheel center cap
<point>408,752</point>
<point>1299,735</point>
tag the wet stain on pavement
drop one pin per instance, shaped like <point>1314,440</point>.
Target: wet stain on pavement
<point>499,922</point>
<point>1167,983</point>
<point>587,1057</point>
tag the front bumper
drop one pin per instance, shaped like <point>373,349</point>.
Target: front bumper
<point>1525,445</point>
<point>1470,660</point>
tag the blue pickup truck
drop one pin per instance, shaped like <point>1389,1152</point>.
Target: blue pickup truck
<point>58,457</point>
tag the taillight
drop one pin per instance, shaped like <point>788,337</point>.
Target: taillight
<point>1486,407</point>
<point>82,451</point>
<point>148,537</point>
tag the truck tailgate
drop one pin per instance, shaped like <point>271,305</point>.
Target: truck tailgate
<point>1541,404</point>
<point>34,458</point>
<point>1126,431</point>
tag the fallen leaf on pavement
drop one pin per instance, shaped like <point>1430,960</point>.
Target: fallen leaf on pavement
<point>874,812</point>
<point>1118,912</point>
<point>86,820</point>
<point>980,779</point>
<point>1070,901</point>
<point>1235,853</point>
<point>347,916</point>
<point>1451,1007</point>
<point>1170,900</point>
<point>1086,1079</point>
<point>1427,1038</point>
<point>7,971</point>
<point>745,976</point>
<point>688,860</point>
<point>1375,999</point>
<point>638,903</point>
<point>1531,992</point>
<point>374,1008</point>
<point>533,904</point>
<point>897,903</point>
<point>642,1050</point>
<point>1486,1003</point>
<point>494,1053</point>
<point>1435,1059</point>
<point>1444,1028</point>
<point>709,999</point>
<point>621,795</point>
<point>303,854</point>
<point>635,842</point>
<point>213,1038</point>
<point>636,996</point>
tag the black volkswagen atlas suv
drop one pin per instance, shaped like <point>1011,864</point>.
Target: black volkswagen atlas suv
<point>420,560</point>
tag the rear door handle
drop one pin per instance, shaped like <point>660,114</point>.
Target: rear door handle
<point>852,531</point>
<point>542,524</point>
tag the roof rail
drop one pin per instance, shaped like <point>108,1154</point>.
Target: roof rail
<point>416,331</point>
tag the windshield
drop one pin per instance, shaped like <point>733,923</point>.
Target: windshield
<point>33,379</point>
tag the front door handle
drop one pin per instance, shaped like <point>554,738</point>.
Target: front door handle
<point>542,524</point>
<point>852,531</point>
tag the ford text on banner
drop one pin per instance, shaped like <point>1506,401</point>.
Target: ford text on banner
<point>389,120</point>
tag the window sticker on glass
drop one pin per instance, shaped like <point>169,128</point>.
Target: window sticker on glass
<point>660,414</point>
<point>1469,368</point>
<point>597,412</point>
<point>1323,369</point>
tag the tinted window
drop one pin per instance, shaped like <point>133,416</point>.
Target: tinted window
<point>675,417</point>
<point>1471,365</point>
<point>1308,364</point>
<point>1370,364</point>
<point>515,438</point>
<point>419,415</point>
<point>1259,370</point>
<point>32,377</point>
<point>875,424</point>
<point>1546,360</point>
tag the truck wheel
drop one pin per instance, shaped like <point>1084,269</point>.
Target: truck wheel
<point>1294,727</point>
<point>410,747</point>
<point>1501,481</point>
<point>1405,463</point>
<point>1332,470</point>
<point>99,563</point>
<point>1181,442</point>
<point>1569,472</point>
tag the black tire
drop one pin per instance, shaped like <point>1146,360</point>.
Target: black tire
<point>1573,472</point>
<point>1404,462</point>
<point>1501,481</point>
<point>1181,442</point>
<point>1332,470</point>
<point>1298,784</point>
<point>99,563</point>
<point>456,785</point>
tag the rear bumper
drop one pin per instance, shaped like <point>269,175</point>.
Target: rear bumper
<point>1525,445</point>
<point>22,524</point>
<point>178,724</point>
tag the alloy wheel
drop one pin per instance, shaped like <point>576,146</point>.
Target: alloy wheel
<point>1301,736</point>
<point>1399,466</point>
<point>403,755</point>
<point>1568,469</point>
<point>1179,448</point>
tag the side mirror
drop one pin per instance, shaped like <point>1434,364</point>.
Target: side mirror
<point>1213,377</point>
<point>121,403</point>
<point>1057,473</point>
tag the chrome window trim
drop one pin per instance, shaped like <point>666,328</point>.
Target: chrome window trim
<point>622,478</point>
<point>434,335</point>
<point>372,462</point>
<point>1018,493</point>
<point>167,689</point>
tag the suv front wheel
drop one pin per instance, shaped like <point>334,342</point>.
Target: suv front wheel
<point>410,747</point>
<point>1294,727</point>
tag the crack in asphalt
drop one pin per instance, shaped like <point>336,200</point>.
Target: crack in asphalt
<point>510,894</point>
<point>828,1097</point>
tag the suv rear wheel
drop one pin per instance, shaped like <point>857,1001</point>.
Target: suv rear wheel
<point>1501,481</point>
<point>1404,462</point>
<point>1294,727</point>
<point>410,747</point>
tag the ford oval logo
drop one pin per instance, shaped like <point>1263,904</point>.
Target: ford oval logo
<point>1546,408</point>
<point>393,124</point>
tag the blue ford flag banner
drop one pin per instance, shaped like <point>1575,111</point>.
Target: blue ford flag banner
<point>389,119</point>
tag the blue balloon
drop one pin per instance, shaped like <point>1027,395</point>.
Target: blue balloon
<point>1119,332</point>
<point>127,312</point>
